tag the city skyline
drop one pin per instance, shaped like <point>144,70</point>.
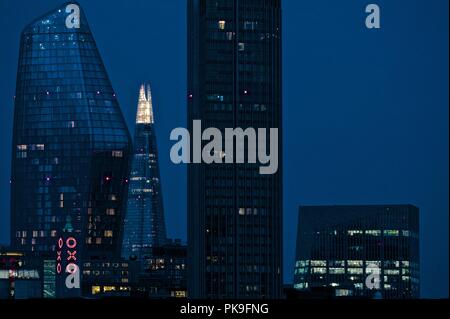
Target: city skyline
<point>384,186</point>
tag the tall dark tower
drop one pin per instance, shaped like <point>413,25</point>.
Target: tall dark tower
<point>144,225</point>
<point>234,212</point>
<point>70,147</point>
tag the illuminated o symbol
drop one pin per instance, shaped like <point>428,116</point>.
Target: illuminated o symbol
<point>58,268</point>
<point>71,242</point>
<point>60,243</point>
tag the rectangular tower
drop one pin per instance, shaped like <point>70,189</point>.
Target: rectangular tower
<point>234,212</point>
<point>347,247</point>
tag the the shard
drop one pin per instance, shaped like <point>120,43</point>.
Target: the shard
<point>144,225</point>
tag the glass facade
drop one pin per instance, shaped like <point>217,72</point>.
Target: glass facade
<point>70,146</point>
<point>144,224</point>
<point>234,213</point>
<point>341,246</point>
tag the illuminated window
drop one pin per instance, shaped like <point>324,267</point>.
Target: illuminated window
<point>21,147</point>
<point>355,232</point>
<point>110,211</point>
<point>242,211</point>
<point>343,292</point>
<point>359,285</point>
<point>319,270</point>
<point>336,263</point>
<point>318,263</point>
<point>108,233</point>
<point>337,271</point>
<point>355,263</point>
<point>221,24</point>
<point>373,232</point>
<point>109,288</point>
<point>355,271</point>
<point>180,294</point>
<point>391,233</point>
<point>117,154</point>
<point>373,262</point>
<point>241,46</point>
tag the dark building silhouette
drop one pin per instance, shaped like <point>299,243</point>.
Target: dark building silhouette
<point>111,278</point>
<point>343,248</point>
<point>70,148</point>
<point>144,224</point>
<point>234,212</point>
<point>20,276</point>
<point>164,273</point>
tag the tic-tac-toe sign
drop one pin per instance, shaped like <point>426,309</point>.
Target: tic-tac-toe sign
<point>66,262</point>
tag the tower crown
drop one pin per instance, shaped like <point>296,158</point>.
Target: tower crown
<point>145,108</point>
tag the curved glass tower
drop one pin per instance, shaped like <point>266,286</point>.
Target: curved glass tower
<point>70,147</point>
<point>144,225</point>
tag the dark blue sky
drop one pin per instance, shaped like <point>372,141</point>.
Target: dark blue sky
<point>365,111</point>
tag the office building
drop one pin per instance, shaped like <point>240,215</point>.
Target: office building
<point>20,276</point>
<point>164,272</point>
<point>70,148</point>
<point>144,224</point>
<point>234,212</point>
<point>359,251</point>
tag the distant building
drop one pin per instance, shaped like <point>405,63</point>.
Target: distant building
<point>358,251</point>
<point>144,225</point>
<point>112,278</point>
<point>164,273</point>
<point>70,150</point>
<point>20,277</point>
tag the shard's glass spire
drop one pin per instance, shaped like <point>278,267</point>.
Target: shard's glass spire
<point>144,113</point>
<point>144,224</point>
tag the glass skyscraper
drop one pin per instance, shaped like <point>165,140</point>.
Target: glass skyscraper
<point>340,247</point>
<point>144,225</point>
<point>234,212</point>
<point>70,147</point>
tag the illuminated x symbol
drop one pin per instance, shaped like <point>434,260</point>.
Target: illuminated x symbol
<point>71,255</point>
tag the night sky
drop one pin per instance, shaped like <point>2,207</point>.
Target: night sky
<point>365,111</point>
